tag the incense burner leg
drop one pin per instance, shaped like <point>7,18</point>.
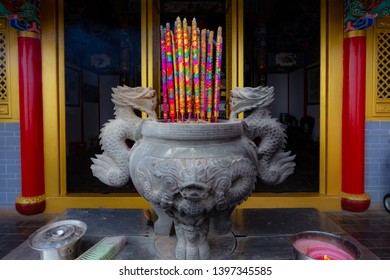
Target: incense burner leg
<point>192,242</point>
<point>163,225</point>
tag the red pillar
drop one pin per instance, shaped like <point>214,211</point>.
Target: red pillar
<point>353,135</point>
<point>32,198</point>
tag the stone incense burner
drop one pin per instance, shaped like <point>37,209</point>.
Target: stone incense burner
<point>193,173</point>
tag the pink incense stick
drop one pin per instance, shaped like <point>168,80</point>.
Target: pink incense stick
<point>170,73</point>
<point>217,74</point>
<point>209,75</point>
<point>203,93</point>
<point>187,72</point>
<point>180,64</point>
<point>195,68</point>
<point>164,75</point>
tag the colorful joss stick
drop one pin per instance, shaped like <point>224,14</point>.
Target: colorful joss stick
<point>195,68</point>
<point>164,74</point>
<point>190,69</point>
<point>175,75</point>
<point>209,75</point>
<point>190,50</point>
<point>187,72</point>
<point>217,74</point>
<point>203,94</point>
<point>199,54</point>
<point>169,59</point>
<point>180,65</point>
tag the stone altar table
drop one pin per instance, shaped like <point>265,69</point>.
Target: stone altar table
<point>257,234</point>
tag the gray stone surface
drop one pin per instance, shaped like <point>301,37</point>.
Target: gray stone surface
<point>257,234</point>
<point>194,174</point>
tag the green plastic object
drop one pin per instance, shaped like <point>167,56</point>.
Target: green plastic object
<point>105,249</point>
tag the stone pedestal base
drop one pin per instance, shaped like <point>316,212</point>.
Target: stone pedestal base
<point>221,246</point>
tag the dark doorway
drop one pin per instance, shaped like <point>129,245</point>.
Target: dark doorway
<point>282,49</point>
<point>102,50</point>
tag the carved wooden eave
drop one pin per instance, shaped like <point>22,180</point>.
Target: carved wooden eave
<point>23,15</point>
<point>361,14</point>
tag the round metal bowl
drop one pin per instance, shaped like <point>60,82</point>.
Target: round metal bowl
<point>386,202</point>
<point>317,245</point>
<point>59,240</point>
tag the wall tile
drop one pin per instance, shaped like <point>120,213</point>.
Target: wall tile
<point>10,182</point>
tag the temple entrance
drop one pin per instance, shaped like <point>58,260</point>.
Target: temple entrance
<point>103,49</point>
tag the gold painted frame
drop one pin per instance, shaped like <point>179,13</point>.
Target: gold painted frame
<point>376,108</point>
<point>9,106</point>
<point>57,198</point>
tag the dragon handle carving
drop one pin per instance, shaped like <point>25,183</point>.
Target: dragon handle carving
<point>274,164</point>
<point>112,166</point>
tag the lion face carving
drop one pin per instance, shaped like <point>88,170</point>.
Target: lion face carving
<point>194,187</point>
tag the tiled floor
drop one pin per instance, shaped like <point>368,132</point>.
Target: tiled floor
<point>371,228</point>
<point>16,228</point>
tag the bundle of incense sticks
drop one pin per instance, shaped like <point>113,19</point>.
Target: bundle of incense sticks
<point>191,62</point>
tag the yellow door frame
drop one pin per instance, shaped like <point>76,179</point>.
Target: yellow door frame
<point>57,199</point>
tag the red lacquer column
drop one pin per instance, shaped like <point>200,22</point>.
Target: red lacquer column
<point>353,135</point>
<point>32,198</point>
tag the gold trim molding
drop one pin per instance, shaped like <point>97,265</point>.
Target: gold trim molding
<point>30,200</point>
<point>383,22</point>
<point>356,197</point>
<point>355,33</point>
<point>382,108</point>
<point>3,24</point>
<point>4,111</point>
<point>27,34</point>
